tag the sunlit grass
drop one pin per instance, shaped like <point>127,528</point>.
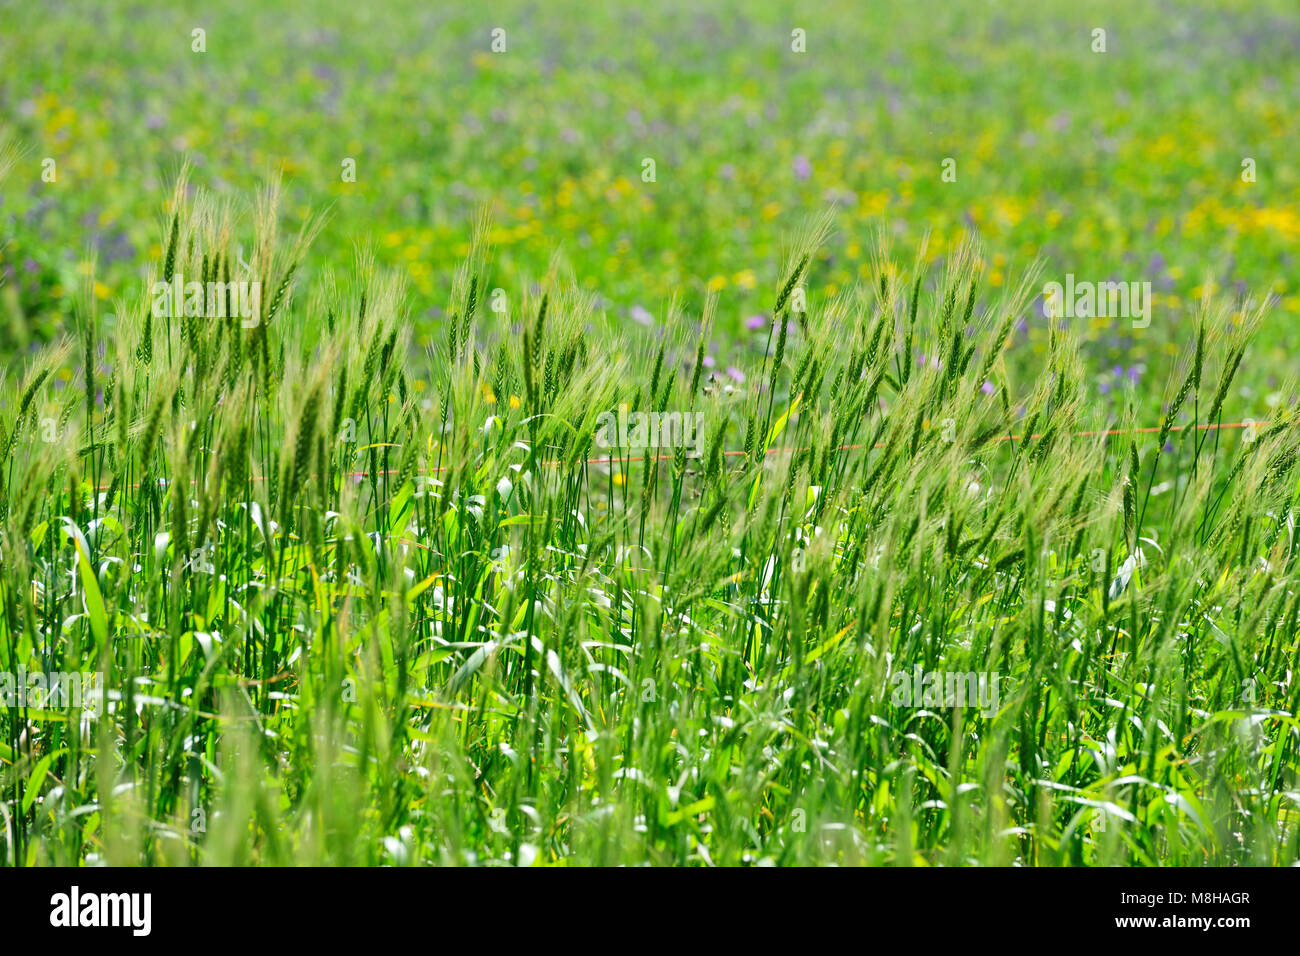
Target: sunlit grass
<point>343,621</point>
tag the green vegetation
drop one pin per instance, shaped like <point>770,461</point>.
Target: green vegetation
<point>361,580</point>
<point>338,623</point>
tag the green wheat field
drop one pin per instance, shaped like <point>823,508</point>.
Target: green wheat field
<point>590,434</point>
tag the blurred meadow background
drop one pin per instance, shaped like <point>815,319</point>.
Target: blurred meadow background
<point>1125,164</point>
